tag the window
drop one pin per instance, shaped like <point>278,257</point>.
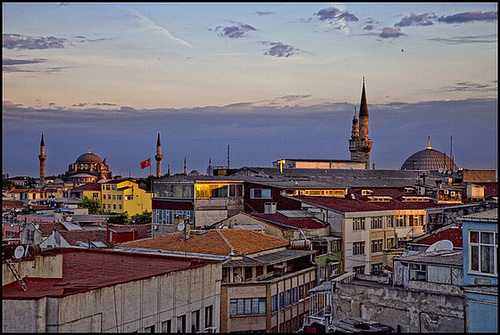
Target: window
<point>150,329</point>
<point>166,326</point>
<point>376,268</point>
<point>195,321</point>
<point>359,269</point>
<point>114,206</point>
<point>358,248</point>
<point>260,193</point>
<point>377,245</point>
<point>377,222</point>
<point>274,303</point>
<point>129,197</point>
<point>400,221</point>
<point>208,316</point>
<point>108,187</point>
<point>390,242</point>
<point>109,206</point>
<point>358,224</point>
<point>483,248</point>
<point>247,306</point>
<point>235,190</point>
<point>181,324</point>
<point>109,196</point>
<point>334,269</point>
<point>388,222</point>
<point>114,197</point>
<point>120,207</point>
<point>119,197</point>
<point>95,195</point>
<point>113,187</point>
<point>418,272</point>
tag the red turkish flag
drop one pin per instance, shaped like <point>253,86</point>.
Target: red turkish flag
<point>146,163</point>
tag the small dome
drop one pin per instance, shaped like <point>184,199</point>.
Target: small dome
<point>428,159</point>
<point>88,158</point>
<point>194,173</point>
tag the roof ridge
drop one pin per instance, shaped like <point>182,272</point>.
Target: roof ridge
<point>225,240</point>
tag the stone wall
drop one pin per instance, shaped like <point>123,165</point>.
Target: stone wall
<point>404,310</point>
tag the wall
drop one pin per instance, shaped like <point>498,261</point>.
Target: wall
<point>410,311</point>
<point>38,267</point>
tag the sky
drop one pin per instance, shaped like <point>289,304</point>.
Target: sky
<point>251,83</point>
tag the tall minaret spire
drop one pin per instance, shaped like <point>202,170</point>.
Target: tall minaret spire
<point>42,157</point>
<point>364,143</point>
<point>360,144</point>
<point>158,157</point>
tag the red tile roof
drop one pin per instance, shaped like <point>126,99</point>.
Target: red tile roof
<point>48,227</point>
<point>87,187</point>
<point>13,204</point>
<point>289,223</point>
<point>73,236</point>
<point>84,270</point>
<point>345,205</point>
<point>453,234</point>
<point>213,242</point>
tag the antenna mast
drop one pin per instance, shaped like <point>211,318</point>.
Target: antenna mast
<point>228,156</point>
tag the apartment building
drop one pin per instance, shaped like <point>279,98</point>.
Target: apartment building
<point>124,196</point>
<point>88,290</point>
<point>264,280</point>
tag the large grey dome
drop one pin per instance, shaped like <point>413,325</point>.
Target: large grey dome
<point>88,158</point>
<point>428,159</point>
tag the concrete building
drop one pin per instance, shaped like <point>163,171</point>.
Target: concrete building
<point>480,259</point>
<point>124,196</point>
<point>89,290</point>
<point>264,280</point>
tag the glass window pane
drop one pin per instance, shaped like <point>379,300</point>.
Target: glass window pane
<point>241,306</point>
<point>248,306</point>
<point>255,306</point>
<point>474,256</point>
<point>474,237</point>
<point>262,306</point>
<point>486,238</point>
<point>234,307</point>
<point>487,265</point>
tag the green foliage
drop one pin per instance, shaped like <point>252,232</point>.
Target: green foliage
<point>118,219</point>
<point>143,218</point>
<point>93,205</point>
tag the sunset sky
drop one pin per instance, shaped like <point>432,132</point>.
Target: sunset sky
<point>272,80</point>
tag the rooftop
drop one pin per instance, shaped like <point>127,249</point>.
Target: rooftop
<point>289,222</point>
<point>103,268</point>
<point>213,242</point>
<point>442,257</point>
<point>490,216</point>
<point>450,233</point>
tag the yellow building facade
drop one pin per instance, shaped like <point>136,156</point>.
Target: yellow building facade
<point>124,196</point>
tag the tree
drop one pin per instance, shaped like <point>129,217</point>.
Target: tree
<point>143,218</point>
<point>93,205</point>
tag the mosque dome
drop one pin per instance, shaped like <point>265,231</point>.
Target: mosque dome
<point>195,173</point>
<point>88,158</point>
<point>429,160</point>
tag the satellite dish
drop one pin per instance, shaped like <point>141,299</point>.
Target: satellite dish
<point>455,170</point>
<point>449,172</point>
<point>440,246</point>
<point>181,226</point>
<point>19,252</point>
<point>37,226</point>
<point>441,170</point>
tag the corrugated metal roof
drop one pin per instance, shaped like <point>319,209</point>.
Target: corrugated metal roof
<point>490,215</point>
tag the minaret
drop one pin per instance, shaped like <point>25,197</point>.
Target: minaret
<point>364,143</point>
<point>185,170</point>
<point>158,157</point>
<point>354,138</point>
<point>42,159</point>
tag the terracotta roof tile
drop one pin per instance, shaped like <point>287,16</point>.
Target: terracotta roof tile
<point>212,242</point>
<point>288,223</point>
<point>453,234</point>
<point>73,236</point>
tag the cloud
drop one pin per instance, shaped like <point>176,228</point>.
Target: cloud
<point>492,38</point>
<point>416,20</point>
<point>22,42</point>
<point>279,49</point>
<point>391,33</point>
<point>470,17</point>
<point>264,13</point>
<point>332,15</point>
<point>235,31</point>
<point>153,27</point>
<point>467,86</point>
